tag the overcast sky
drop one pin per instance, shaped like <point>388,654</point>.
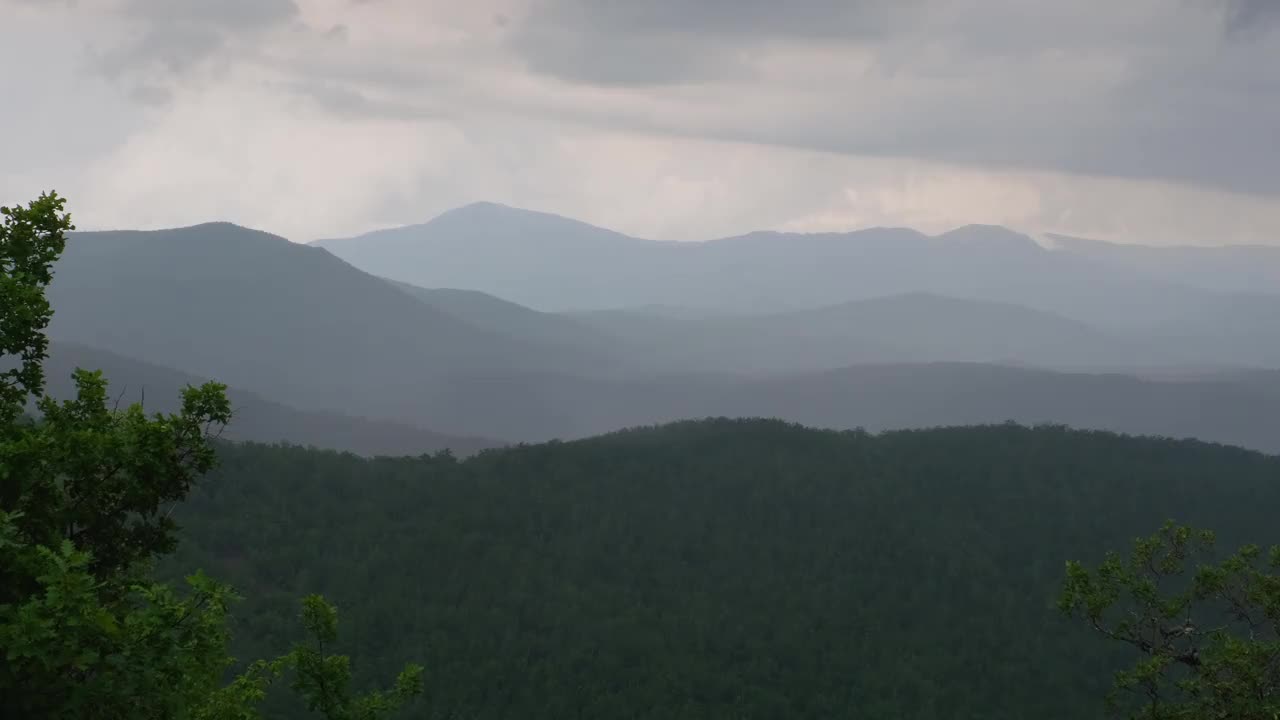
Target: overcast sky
<point>1154,121</point>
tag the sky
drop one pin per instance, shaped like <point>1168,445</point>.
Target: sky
<point>1150,121</point>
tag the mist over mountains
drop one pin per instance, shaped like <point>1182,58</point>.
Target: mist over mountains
<point>494,322</point>
<point>1238,268</point>
<point>257,419</point>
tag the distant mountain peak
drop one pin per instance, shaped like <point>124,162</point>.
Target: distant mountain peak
<point>212,225</point>
<point>485,209</point>
<point>208,234</point>
<point>481,206</point>
<point>498,220</point>
<point>992,236</point>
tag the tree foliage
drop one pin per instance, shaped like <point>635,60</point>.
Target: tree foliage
<point>721,568</point>
<point>87,494</point>
<point>31,238</point>
<point>1207,630</point>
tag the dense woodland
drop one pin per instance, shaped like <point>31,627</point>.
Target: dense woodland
<point>721,568</point>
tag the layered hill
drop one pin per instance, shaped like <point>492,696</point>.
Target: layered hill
<point>717,569</point>
<point>288,321</point>
<point>554,263</point>
<point>910,328</point>
<point>1249,268</point>
<point>296,326</point>
<point>1234,408</point>
<point>255,417</point>
<point>494,314</point>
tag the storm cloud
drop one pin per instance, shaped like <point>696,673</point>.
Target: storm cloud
<point>1071,117</point>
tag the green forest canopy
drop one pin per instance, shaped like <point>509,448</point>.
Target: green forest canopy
<point>717,569</point>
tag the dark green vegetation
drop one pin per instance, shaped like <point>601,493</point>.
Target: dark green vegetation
<point>1206,629</point>
<point>717,569</point>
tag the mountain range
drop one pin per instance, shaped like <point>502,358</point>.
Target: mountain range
<point>554,263</point>
<point>493,322</point>
<point>1247,268</point>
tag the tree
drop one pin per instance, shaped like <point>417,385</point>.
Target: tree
<point>323,681</point>
<point>1207,633</point>
<point>86,497</point>
<point>31,238</point>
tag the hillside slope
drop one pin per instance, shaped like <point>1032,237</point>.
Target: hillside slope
<point>915,327</point>
<point>256,418</point>
<point>717,569</point>
<point>494,314</point>
<point>1232,268</point>
<point>1224,408</point>
<point>539,260</point>
<point>553,263</point>
<point>258,312</point>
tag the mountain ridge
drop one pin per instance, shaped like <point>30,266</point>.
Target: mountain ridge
<point>269,316</point>
<point>491,250</point>
<point>255,418</point>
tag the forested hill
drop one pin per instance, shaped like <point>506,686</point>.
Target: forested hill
<point>716,569</point>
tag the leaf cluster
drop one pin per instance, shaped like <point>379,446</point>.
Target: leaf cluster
<point>1207,630</point>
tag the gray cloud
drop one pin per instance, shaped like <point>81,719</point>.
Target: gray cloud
<point>655,42</point>
<point>150,95</point>
<point>623,60</point>
<point>1247,16</point>
<point>173,48</point>
<point>1148,89</point>
<point>228,14</point>
<point>843,19</point>
<point>1176,97</point>
<point>171,37</point>
<point>346,101</point>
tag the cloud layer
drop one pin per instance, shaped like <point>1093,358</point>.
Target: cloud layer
<point>1150,120</point>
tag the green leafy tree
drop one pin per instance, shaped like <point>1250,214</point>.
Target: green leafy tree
<point>86,497</point>
<point>323,681</point>
<point>31,238</point>
<point>1207,631</point>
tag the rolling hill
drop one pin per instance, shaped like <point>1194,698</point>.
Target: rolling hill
<point>256,418</point>
<point>554,263</point>
<point>497,315</point>
<point>716,569</point>
<point>287,321</point>
<point>1232,268</point>
<point>910,328</point>
<point>539,260</point>
<point>1228,409</point>
<point>294,325</point>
